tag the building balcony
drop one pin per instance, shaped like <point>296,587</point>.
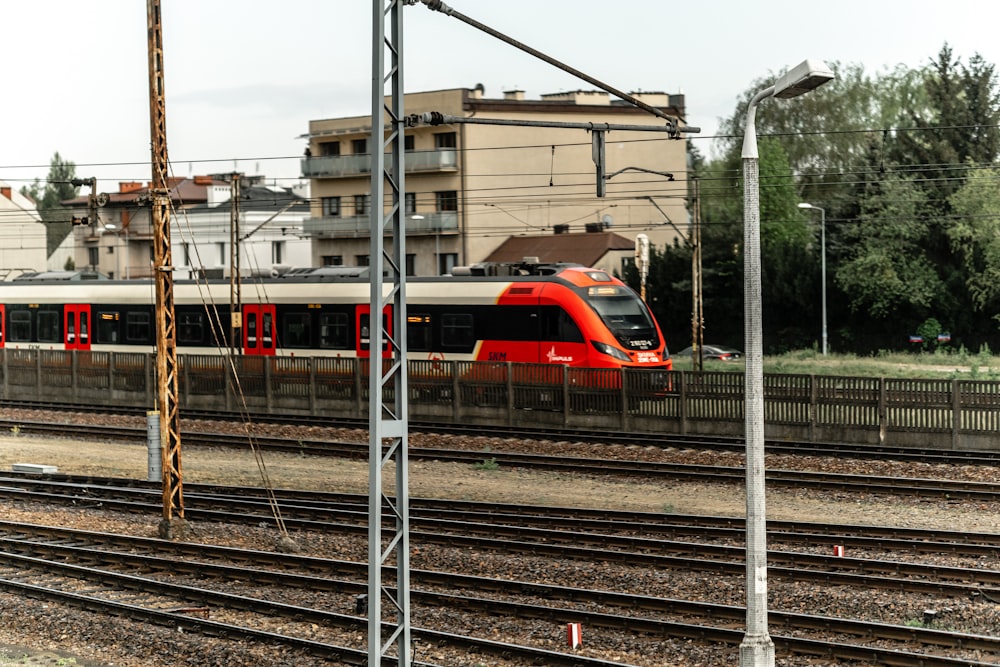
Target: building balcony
<point>359,226</point>
<point>352,166</point>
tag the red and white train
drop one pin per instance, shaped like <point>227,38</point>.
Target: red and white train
<point>560,314</point>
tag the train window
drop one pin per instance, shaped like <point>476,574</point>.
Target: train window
<point>48,326</point>
<point>296,330</point>
<point>20,325</point>
<point>266,331</point>
<point>457,330</point>
<point>191,328</point>
<point>334,331</point>
<point>84,328</point>
<point>418,332</point>
<point>557,325</point>
<point>137,328</point>
<point>365,338</point>
<point>107,327</point>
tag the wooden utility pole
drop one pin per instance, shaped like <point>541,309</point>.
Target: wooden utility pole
<point>172,524</point>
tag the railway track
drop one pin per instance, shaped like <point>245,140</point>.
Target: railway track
<point>716,443</point>
<point>925,488</point>
<point>572,540</point>
<point>50,556</point>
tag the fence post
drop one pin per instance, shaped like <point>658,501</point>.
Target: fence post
<point>623,378</point>
<point>38,375</point>
<point>683,408</point>
<point>813,406</point>
<point>268,390</point>
<point>358,365</point>
<point>148,372</point>
<point>6,376</point>
<point>956,412</point>
<point>883,411</point>
<point>456,399</point>
<point>565,393</point>
<point>312,386</point>
<point>510,394</point>
<point>74,366</point>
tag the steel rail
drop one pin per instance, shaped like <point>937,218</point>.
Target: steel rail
<point>792,621</point>
<point>793,566</point>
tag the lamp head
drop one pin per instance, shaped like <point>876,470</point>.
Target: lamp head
<point>805,205</point>
<point>802,78</point>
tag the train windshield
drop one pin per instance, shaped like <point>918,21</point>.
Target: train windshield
<point>625,315</point>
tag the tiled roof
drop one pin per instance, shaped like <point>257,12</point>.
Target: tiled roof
<point>586,248</point>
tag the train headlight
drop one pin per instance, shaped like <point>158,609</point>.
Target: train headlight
<point>604,348</point>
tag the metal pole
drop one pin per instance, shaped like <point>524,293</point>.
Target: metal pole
<point>389,629</point>
<point>757,648</point>
<point>822,233</point>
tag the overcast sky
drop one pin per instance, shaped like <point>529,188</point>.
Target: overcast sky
<point>244,78</point>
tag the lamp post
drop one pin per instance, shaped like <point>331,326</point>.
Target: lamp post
<point>757,649</point>
<point>822,242</point>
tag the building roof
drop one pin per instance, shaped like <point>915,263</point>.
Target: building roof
<point>183,191</point>
<point>586,248</point>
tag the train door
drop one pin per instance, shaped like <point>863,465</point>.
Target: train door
<point>76,326</point>
<point>258,329</point>
<point>362,331</point>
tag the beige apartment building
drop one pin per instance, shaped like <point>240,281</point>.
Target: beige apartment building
<point>470,187</point>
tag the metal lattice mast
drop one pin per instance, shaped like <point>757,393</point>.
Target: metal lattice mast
<point>166,334</point>
<point>235,298</point>
<point>387,385</point>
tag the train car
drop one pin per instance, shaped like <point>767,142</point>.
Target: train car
<point>558,314</point>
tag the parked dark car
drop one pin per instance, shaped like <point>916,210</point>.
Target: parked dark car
<point>720,352</point>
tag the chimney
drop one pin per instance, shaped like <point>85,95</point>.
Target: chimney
<point>516,95</point>
<point>5,191</point>
<point>128,186</point>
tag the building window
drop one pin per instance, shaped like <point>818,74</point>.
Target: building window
<point>331,207</point>
<point>187,254</point>
<point>447,200</point>
<point>93,258</point>
<point>332,260</point>
<point>411,264</point>
<point>359,146</point>
<point>221,247</point>
<point>361,203</point>
<point>447,262</point>
<point>277,252</point>
<point>361,260</point>
<point>445,140</point>
<point>408,142</point>
<point>329,148</point>
<point>411,203</point>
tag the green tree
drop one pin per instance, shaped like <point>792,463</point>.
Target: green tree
<point>887,272</point>
<point>49,200</point>
<point>974,234</point>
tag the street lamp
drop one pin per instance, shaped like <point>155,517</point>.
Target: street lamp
<point>757,649</point>
<point>822,237</point>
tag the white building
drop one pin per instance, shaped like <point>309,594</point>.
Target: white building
<point>22,234</point>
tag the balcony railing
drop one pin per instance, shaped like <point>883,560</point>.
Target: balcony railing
<point>346,166</point>
<point>360,225</point>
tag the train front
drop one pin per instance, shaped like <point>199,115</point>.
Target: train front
<point>619,326</point>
